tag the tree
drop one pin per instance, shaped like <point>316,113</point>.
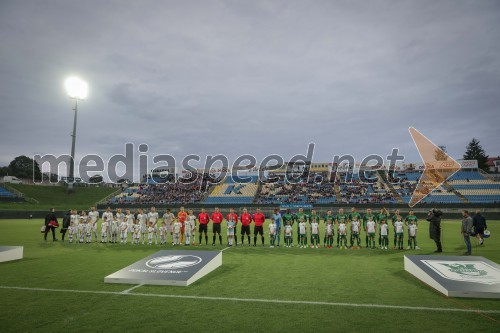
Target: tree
<point>474,151</point>
<point>24,167</point>
<point>50,177</point>
<point>4,171</point>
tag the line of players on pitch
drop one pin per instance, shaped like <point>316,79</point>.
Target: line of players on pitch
<point>146,227</point>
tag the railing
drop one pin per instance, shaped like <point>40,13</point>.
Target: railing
<point>109,196</point>
<point>19,194</point>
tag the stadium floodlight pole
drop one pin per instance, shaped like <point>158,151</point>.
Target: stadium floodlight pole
<point>77,90</point>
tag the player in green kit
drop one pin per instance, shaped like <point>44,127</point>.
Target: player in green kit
<point>394,218</point>
<point>340,218</point>
<point>383,215</point>
<point>368,217</point>
<point>314,217</point>
<point>328,218</point>
<point>353,214</point>
<point>300,215</point>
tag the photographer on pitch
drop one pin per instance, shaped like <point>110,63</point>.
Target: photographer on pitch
<point>434,217</point>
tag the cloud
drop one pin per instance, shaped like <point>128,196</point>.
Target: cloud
<point>258,77</point>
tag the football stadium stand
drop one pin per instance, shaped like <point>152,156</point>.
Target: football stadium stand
<point>466,186</point>
<point>4,193</point>
<point>231,192</point>
<point>159,194</point>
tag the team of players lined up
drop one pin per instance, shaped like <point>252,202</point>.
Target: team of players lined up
<point>141,227</point>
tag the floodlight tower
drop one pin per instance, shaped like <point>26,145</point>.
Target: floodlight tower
<point>76,89</point>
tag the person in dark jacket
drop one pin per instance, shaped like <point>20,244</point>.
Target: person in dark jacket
<point>434,217</point>
<point>467,231</point>
<point>65,224</point>
<point>479,223</point>
<point>51,224</point>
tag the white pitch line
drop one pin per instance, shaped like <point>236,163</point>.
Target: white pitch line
<point>254,300</point>
<point>130,289</point>
<point>225,249</point>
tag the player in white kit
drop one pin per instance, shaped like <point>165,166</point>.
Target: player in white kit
<point>370,231</point>
<point>343,235</point>
<point>398,229</point>
<point>384,234</point>
<point>129,217</point>
<point>272,233</point>
<point>329,233</point>
<point>163,233</point>
<point>153,216</point>
<point>177,232</point>
<point>355,227</point>
<point>190,228</point>
<point>109,215</point>
<point>151,231</point>
<point>82,226</point>
<point>136,232</point>
<point>104,230</point>
<point>168,218</point>
<point>123,230</point>
<point>412,235</point>
<point>314,234</point>
<point>88,230</point>
<point>142,219</point>
<point>94,218</point>
<point>114,229</point>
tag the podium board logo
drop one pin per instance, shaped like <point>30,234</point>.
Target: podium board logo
<point>173,262</point>
<point>478,272</point>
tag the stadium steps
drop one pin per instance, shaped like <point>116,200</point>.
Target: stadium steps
<point>108,197</point>
<point>259,189</point>
<point>486,175</point>
<point>383,177</point>
<point>458,194</point>
<point>337,187</point>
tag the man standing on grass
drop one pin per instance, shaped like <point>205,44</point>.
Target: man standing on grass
<point>467,231</point>
<point>153,217</point>
<point>216,221</point>
<point>479,223</point>
<point>169,218</point>
<point>245,219</point>
<point>259,220</point>
<point>368,217</point>
<point>182,216</point>
<point>51,224</point>
<point>232,216</point>
<point>109,217</point>
<point>94,218</point>
<point>203,218</point>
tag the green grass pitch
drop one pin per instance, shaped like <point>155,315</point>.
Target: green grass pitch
<point>222,301</point>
